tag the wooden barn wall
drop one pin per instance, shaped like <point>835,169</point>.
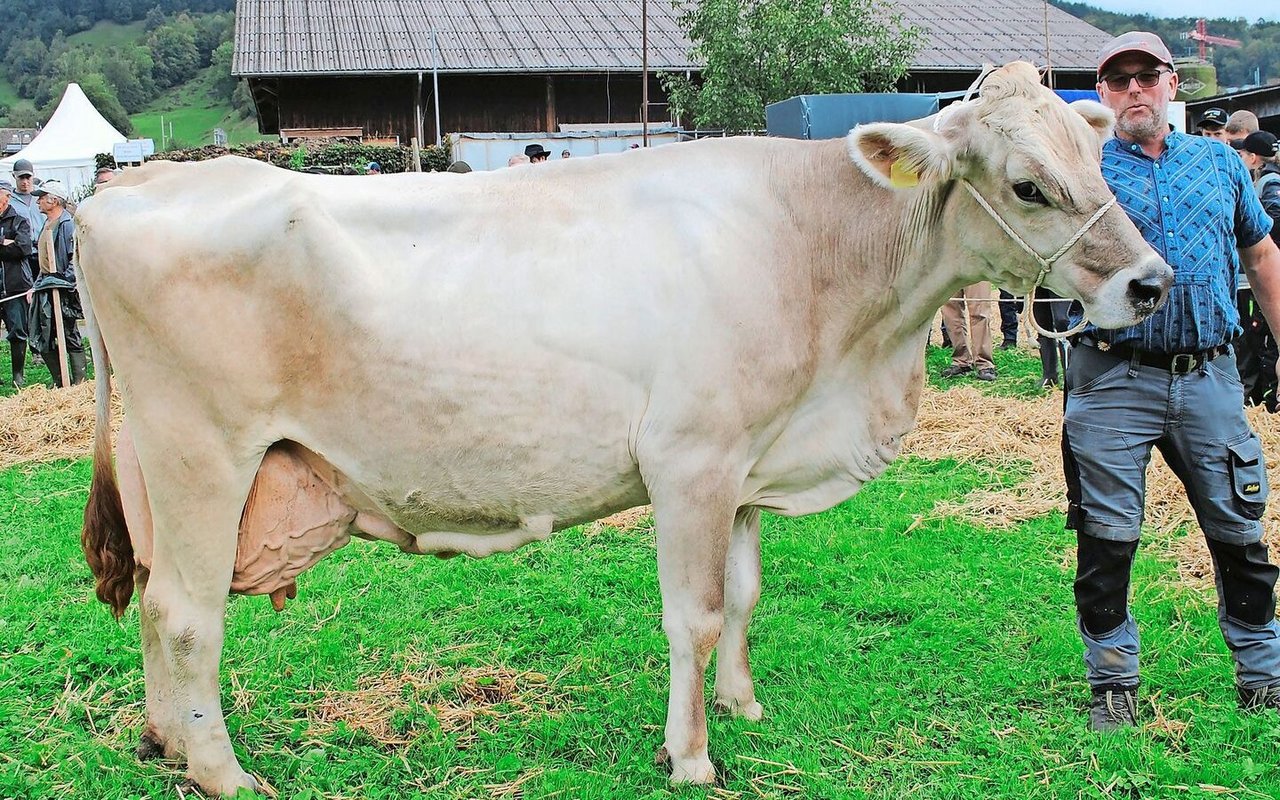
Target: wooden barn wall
<point>381,105</point>
<point>384,105</point>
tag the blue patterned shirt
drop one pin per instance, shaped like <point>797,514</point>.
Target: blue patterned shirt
<point>1195,205</point>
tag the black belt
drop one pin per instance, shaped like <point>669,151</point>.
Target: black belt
<point>1177,363</point>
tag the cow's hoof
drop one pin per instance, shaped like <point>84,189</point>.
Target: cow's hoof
<point>753,711</point>
<point>149,747</point>
<point>227,786</point>
<point>697,771</point>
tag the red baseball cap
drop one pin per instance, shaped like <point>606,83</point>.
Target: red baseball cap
<point>1134,42</point>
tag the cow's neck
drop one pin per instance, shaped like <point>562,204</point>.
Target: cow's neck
<point>901,268</point>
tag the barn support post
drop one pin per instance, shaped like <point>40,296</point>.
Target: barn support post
<point>550,121</point>
<point>435,80</point>
<point>417,110</point>
<point>644,72</point>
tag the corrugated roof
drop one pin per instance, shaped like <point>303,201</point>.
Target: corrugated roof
<point>307,37</point>
<point>966,34</point>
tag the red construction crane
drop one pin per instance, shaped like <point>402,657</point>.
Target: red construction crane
<point>1202,35</point>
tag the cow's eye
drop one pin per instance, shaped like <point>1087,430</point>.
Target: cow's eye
<point>1028,192</point>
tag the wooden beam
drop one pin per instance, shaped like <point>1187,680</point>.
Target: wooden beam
<point>551,105</point>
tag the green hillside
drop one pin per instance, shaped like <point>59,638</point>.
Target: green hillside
<point>193,108</point>
<point>194,112</point>
<point>109,34</point>
<point>8,97</point>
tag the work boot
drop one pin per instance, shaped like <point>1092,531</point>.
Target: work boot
<point>987,374</point>
<point>18,356</point>
<point>956,370</point>
<point>1113,708</point>
<point>54,364</point>
<point>1260,698</point>
<point>77,367</point>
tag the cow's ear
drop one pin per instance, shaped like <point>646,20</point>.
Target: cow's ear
<point>900,156</point>
<point>1099,117</point>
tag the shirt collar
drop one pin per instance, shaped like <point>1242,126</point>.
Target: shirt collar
<point>1173,141</point>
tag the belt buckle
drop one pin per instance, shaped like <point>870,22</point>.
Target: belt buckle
<point>1183,363</point>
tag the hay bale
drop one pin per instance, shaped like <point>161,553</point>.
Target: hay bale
<point>43,424</point>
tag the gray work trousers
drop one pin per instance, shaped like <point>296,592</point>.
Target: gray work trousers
<point>1116,411</point>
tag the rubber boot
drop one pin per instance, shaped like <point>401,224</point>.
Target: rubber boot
<point>54,364</point>
<point>18,356</point>
<point>77,367</point>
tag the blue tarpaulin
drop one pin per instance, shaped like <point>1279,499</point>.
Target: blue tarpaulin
<point>829,116</point>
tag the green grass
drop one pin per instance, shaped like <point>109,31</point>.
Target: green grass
<point>897,655</point>
<point>9,95</point>
<point>1018,370</point>
<point>110,34</point>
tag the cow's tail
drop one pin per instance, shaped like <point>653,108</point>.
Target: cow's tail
<point>105,536</point>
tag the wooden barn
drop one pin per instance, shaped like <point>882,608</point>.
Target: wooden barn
<point>371,68</point>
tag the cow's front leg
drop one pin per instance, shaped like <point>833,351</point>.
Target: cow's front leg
<point>161,737</point>
<point>693,522</point>
<point>734,691</point>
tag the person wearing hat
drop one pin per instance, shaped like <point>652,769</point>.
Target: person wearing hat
<point>1260,152</point>
<point>56,248</point>
<point>24,181</point>
<point>537,153</point>
<point>1170,382</point>
<point>373,168</point>
<point>1212,124</point>
<point>15,280</point>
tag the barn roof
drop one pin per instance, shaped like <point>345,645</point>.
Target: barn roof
<point>326,37</point>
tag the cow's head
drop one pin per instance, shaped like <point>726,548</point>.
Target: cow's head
<point>1033,162</point>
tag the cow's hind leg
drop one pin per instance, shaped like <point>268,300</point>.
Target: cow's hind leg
<point>196,519</point>
<point>694,520</point>
<point>734,690</point>
<point>161,737</point>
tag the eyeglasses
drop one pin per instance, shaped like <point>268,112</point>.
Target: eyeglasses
<point>1146,79</point>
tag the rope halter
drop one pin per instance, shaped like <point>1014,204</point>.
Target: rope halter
<point>1046,264</point>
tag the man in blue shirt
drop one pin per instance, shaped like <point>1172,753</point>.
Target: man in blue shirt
<point>1170,382</point>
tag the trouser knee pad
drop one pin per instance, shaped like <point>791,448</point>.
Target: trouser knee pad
<point>1102,582</point>
<point>1248,581</point>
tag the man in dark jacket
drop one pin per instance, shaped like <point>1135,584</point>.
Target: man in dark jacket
<point>15,244</point>
<point>1256,350</point>
<point>57,250</point>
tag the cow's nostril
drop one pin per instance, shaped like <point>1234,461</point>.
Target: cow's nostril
<point>1146,292</point>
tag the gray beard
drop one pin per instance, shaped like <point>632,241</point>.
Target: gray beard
<point>1146,131</point>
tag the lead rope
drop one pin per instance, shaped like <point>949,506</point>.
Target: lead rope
<point>1046,264</point>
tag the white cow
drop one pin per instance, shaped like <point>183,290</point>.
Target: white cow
<point>717,328</point>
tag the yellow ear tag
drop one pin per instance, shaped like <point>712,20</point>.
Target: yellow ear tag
<point>903,177</point>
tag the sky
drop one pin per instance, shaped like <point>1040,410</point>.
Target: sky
<point>1249,9</point>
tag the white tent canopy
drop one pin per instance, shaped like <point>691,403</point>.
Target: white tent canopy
<point>65,149</point>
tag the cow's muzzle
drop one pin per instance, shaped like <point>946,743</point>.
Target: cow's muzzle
<point>1148,291</point>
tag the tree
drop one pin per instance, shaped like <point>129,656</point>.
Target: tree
<point>173,49</point>
<point>221,81</point>
<point>758,52</point>
<point>154,19</point>
<point>129,71</point>
<point>24,117</point>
